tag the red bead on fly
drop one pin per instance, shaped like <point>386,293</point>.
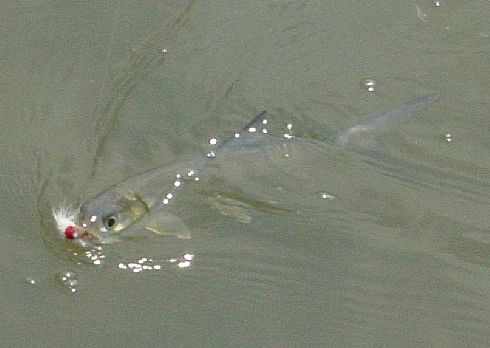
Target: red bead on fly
<point>70,232</point>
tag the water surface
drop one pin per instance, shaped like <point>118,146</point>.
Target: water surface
<point>95,93</point>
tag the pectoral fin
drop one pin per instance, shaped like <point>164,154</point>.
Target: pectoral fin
<point>168,225</point>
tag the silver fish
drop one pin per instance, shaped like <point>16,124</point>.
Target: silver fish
<point>140,202</point>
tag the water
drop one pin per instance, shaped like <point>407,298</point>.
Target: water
<point>94,93</point>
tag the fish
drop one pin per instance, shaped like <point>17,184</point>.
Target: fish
<point>140,202</point>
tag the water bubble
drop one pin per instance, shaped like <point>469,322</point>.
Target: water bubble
<point>69,280</point>
<point>95,255</point>
<point>184,264</point>
<point>148,264</point>
<point>143,264</point>
<point>329,196</point>
<point>191,175</point>
<point>369,84</point>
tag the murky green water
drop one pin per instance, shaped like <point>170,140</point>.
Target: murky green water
<point>94,93</point>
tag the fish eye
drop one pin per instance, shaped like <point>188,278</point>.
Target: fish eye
<point>109,222</point>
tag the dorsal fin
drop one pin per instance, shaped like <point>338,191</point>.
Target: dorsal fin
<point>254,127</point>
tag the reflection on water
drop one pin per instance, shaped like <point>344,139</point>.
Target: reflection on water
<point>383,244</point>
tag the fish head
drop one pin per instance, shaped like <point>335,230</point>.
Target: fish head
<point>110,213</point>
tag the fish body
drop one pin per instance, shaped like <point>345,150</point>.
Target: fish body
<point>140,202</point>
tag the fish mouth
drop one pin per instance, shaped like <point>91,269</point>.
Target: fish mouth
<point>82,236</point>
<point>68,228</point>
<point>86,238</point>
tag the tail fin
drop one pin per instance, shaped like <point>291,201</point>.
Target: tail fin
<point>387,121</point>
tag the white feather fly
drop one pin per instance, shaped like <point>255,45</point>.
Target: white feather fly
<point>64,217</point>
